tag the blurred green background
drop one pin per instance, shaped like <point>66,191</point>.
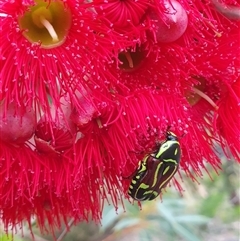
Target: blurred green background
<point>208,210</point>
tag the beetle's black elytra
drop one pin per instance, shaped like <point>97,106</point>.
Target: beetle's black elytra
<point>156,170</point>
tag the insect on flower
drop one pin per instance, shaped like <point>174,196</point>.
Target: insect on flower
<point>156,170</point>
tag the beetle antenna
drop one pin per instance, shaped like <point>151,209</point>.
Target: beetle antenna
<point>168,128</point>
<point>184,134</point>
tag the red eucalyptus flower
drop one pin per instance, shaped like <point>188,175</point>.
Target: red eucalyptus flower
<point>57,57</point>
<point>122,14</point>
<point>88,88</point>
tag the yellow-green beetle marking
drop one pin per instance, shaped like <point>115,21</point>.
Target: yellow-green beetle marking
<point>155,170</point>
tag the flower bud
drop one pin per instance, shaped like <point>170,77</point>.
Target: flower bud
<point>57,132</point>
<point>17,124</point>
<point>172,24</point>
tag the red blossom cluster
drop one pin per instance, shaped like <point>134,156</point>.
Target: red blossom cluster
<point>77,115</point>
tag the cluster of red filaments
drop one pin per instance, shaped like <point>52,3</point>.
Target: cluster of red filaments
<point>89,87</point>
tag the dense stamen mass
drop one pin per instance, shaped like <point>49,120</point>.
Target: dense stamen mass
<point>46,23</point>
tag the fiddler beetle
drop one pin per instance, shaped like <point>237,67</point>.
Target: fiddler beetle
<point>156,169</point>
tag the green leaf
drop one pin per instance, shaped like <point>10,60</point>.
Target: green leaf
<point>126,223</point>
<point>211,205</point>
<point>110,216</point>
<point>145,236</point>
<point>179,229</point>
<point>192,219</point>
<point>4,237</point>
<point>133,208</point>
